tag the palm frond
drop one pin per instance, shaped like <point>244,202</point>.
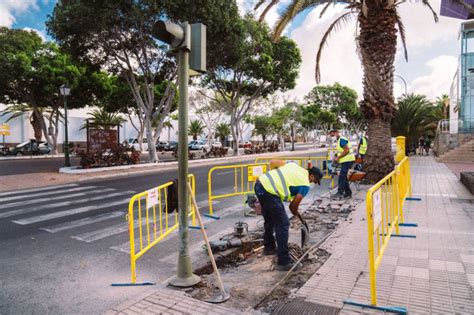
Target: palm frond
<point>401,29</point>
<point>325,9</point>
<point>435,15</point>
<point>288,14</point>
<point>259,4</point>
<point>341,19</point>
<point>267,8</point>
<point>466,6</point>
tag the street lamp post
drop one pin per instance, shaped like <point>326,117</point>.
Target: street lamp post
<point>64,90</point>
<point>404,82</point>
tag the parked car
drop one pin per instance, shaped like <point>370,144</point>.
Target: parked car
<point>216,144</point>
<point>160,146</point>
<point>199,145</point>
<point>4,150</point>
<point>190,144</point>
<point>31,148</point>
<point>171,146</point>
<point>246,145</point>
<point>133,143</point>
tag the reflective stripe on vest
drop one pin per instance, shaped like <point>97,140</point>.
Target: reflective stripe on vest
<point>349,157</point>
<point>279,181</point>
<point>363,146</point>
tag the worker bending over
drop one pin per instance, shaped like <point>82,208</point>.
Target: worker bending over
<point>345,157</point>
<point>288,182</point>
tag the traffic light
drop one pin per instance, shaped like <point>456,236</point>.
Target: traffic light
<point>177,36</point>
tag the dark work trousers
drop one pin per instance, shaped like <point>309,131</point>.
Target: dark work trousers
<point>275,217</point>
<point>343,184</point>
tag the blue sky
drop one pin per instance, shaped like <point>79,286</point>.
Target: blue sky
<point>433,48</point>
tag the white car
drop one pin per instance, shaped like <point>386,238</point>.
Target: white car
<point>199,145</point>
<point>216,144</point>
<point>133,143</point>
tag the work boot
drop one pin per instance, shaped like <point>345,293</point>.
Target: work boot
<point>269,251</point>
<point>287,266</point>
<point>347,197</point>
<point>337,196</point>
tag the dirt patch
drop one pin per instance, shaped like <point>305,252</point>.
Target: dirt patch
<point>249,275</point>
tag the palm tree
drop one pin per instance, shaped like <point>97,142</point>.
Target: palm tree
<point>102,118</point>
<point>18,110</point>
<point>168,125</point>
<point>195,129</point>
<point>222,132</point>
<point>443,104</point>
<point>378,23</point>
<point>415,116</point>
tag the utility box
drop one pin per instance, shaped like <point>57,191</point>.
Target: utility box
<point>197,56</point>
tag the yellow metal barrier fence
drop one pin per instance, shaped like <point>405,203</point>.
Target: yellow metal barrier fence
<point>244,176</point>
<point>404,183</point>
<point>153,222</point>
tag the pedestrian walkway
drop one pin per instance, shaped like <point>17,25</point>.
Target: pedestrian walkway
<point>430,274</point>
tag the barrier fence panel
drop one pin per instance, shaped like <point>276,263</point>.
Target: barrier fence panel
<point>244,176</point>
<point>150,213</point>
<point>322,162</point>
<point>404,183</point>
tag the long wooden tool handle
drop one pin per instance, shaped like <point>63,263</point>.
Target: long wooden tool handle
<point>209,251</point>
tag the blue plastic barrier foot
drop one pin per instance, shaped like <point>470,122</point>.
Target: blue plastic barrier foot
<point>400,235</point>
<point>196,227</point>
<point>390,309</point>
<point>407,224</point>
<point>212,216</point>
<point>132,284</point>
<point>413,198</point>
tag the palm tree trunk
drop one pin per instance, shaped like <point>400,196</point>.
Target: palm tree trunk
<point>377,43</point>
<point>35,122</point>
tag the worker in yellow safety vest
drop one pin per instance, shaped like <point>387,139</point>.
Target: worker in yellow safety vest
<point>362,149</point>
<point>345,157</point>
<point>289,182</point>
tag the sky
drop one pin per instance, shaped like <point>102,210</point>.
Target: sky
<point>433,48</point>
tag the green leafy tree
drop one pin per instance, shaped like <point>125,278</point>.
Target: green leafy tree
<point>280,124</point>
<point>18,110</point>
<point>378,23</point>
<point>222,131</point>
<point>262,68</point>
<point>415,116</point>
<point>104,119</point>
<point>316,120</point>
<point>195,129</point>
<point>262,127</point>
<point>31,72</point>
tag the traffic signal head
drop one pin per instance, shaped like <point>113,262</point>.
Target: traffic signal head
<point>170,33</point>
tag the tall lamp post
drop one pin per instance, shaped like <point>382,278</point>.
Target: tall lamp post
<point>404,82</point>
<point>65,90</point>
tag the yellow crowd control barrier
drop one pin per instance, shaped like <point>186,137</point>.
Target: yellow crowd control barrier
<point>150,212</point>
<point>244,176</point>
<point>384,206</point>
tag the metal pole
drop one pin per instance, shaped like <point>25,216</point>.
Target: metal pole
<point>66,142</point>
<point>404,82</point>
<point>185,276</point>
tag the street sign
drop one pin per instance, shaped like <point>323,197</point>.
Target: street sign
<point>152,197</point>
<point>377,208</point>
<point>4,130</point>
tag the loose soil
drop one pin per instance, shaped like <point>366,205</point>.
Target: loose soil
<point>248,275</point>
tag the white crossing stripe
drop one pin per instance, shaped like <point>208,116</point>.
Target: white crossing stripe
<point>66,213</point>
<point>86,221</point>
<point>9,193</point>
<point>60,204</point>
<point>34,201</point>
<point>106,232</point>
<point>43,194</point>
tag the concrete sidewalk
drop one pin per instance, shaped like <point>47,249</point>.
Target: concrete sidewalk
<point>430,274</point>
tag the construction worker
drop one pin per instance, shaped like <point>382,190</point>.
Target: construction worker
<point>362,148</point>
<point>345,157</point>
<point>288,182</point>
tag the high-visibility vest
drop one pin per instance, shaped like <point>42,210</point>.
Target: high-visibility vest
<point>278,181</point>
<point>349,157</point>
<point>363,146</point>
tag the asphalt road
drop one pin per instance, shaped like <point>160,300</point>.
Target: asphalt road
<point>49,165</point>
<point>62,247</point>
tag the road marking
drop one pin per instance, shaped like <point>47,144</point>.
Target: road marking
<point>34,201</point>
<point>108,231</point>
<point>86,221</point>
<point>36,189</point>
<point>47,193</point>
<point>66,213</point>
<point>60,204</point>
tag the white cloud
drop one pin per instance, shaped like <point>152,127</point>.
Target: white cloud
<point>439,79</point>
<point>8,9</point>
<point>40,33</point>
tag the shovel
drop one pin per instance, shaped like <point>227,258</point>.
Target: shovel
<point>304,231</point>
<point>224,295</point>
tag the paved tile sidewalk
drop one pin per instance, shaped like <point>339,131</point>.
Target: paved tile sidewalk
<point>430,274</point>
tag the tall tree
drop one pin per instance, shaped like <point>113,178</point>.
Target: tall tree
<point>262,68</point>
<point>378,23</point>
<point>262,127</point>
<point>116,35</point>
<point>31,72</point>
<point>206,110</point>
<point>222,131</point>
<point>195,129</point>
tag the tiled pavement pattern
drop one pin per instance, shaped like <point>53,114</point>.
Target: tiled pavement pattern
<point>166,301</point>
<point>430,274</point>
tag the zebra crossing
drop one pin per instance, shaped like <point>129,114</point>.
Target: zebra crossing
<point>86,213</point>
<point>45,206</point>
